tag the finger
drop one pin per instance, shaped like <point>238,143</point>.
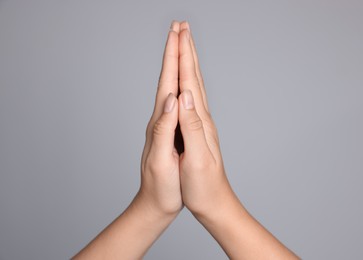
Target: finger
<point>187,74</point>
<point>162,144</point>
<point>191,126</point>
<point>168,80</point>
<point>185,25</point>
<point>167,73</point>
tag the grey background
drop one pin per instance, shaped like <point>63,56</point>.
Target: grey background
<point>77,85</point>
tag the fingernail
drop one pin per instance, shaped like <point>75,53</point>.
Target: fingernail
<point>172,25</point>
<point>188,101</point>
<point>169,103</point>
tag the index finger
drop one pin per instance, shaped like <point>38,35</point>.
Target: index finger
<point>185,25</point>
<point>187,72</point>
<point>168,80</point>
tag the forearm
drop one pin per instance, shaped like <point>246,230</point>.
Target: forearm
<point>130,235</point>
<point>240,235</point>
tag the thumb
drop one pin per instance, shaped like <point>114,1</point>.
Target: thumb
<point>164,129</point>
<point>191,126</point>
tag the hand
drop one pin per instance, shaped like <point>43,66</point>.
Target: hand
<point>206,191</point>
<point>159,198</point>
<point>204,183</point>
<point>160,185</point>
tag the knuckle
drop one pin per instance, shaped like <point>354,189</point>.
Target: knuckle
<point>190,80</point>
<point>171,55</point>
<point>195,125</point>
<point>160,128</point>
<point>167,80</point>
<point>157,167</point>
<point>203,162</point>
<point>183,54</point>
<point>153,166</point>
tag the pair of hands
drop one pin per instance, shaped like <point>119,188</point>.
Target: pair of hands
<point>195,178</point>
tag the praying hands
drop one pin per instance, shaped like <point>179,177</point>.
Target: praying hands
<point>183,167</point>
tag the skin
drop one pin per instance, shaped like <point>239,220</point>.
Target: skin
<point>194,178</point>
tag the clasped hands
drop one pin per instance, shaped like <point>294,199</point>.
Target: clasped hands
<point>195,178</point>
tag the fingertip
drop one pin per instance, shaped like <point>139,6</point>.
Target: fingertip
<point>173,36</point>
<point>173,22</point>
<point>169,71</point>
<point>175,26</point>
<point>184,25</point>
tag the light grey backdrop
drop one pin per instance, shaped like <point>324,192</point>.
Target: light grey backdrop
<point>77,86</point>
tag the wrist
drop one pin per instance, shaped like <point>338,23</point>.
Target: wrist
<point>151,211</point>
<point>226,208</point>
<point>215,204</point>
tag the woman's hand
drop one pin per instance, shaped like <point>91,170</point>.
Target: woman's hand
<point>205,187</point>
<point>206,191</point>
<point>160,183</point>
<point>159,198</point>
